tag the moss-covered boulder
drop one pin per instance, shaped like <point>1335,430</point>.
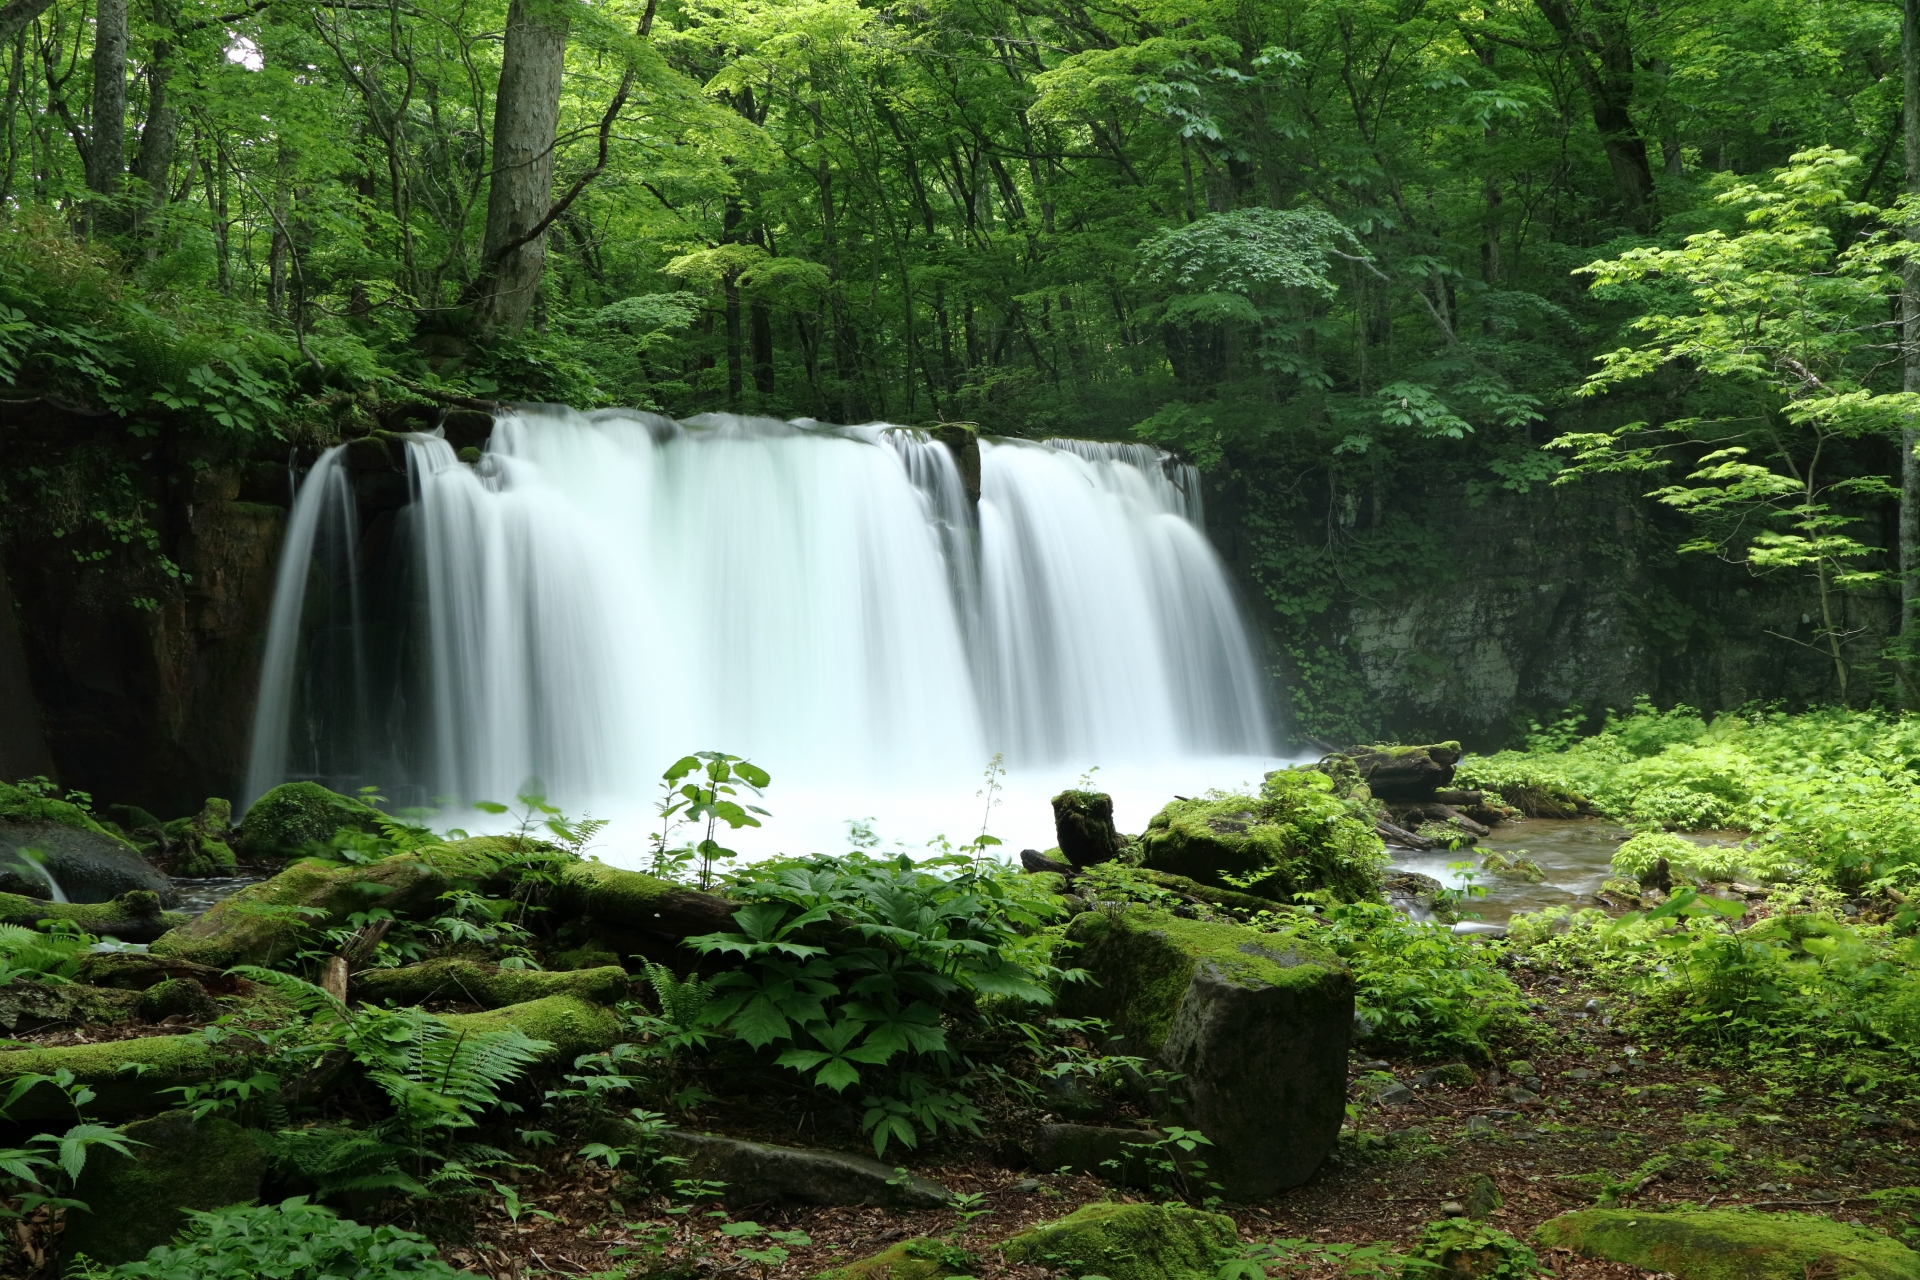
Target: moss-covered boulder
<point>1083,823</point>
<point>295,817</point>
<point>1129,1242</point>
<point>128,1077</point>
<point>1257,1023</point>
<point>1297,835</point>
<point>89,863</point>
<point>485,984</point>
<point>266,922</point>
<point>176,998</point>
<point>198,845</point>
<point>134,916</point>
<point>137,1201</point>
<point>921,1258</point>
<point>1731,1244</point>
<point>31,1006</point>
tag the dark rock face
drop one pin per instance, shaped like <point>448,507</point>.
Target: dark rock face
<point>1083,823</point>
<point>139,1201</point>
<point>90,866</point>
<point>758,1172</point>
<point>1113,1154</point>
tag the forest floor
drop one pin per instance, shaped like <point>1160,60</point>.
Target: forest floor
<point>1641,1127</point>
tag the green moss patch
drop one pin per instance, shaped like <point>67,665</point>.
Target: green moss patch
<point>1730,1244</point>
<point>1129,1242</point>
<point>1296,836</point>
<point>17,805</point>
<point>486,985</point>
<point>920,1258</point>
<point>572,1026</point>
<point>295,817</point>
<point>140,1200</point>
<point>109,1069</point>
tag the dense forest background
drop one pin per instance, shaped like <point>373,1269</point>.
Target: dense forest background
<point>1328,251</point>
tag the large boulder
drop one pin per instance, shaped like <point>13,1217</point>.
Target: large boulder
<point>1118,1155</point>
<point>1083,823</point>
<point>1129,1242</point>
<point>486,985</point>
<point>137,1201</point>
<point>1731,1244</point>
<point>267,922</point>
<point>761,1173</point>
<point>1257,1023</point>
<point>1296,836</point>
<point>297,817</point>
<point>88,862</point>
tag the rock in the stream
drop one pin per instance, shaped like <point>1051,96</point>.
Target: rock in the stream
<point>1129,1242</point>
<point>1731,1244</point>
<point>199,844</point>
<point>1118,1155</point>
<point>486,985</point>
<point>89,863</point>
<point>137,1201</point>
<point>759,1172</point>
<point>266,922</point>
<point>295,817</point>
<point>1083,823</point>
<point>921,1258</point>
<point>134,916</point>
<point>1297,835</point>
<point>1258,1024</point>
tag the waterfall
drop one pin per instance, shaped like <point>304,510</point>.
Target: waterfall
<point>604,592</point>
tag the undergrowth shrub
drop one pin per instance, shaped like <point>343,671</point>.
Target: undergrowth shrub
<point>1420,988</point>
<point>292,1240</point>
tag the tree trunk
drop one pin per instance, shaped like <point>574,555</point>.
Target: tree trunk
<point>1910,343</point>
<point>1602,57</point>
<point>107,140</point>
<point>153,165</point>
<point>760,335</point>
<point>526,117</point>
<point>18,15</point>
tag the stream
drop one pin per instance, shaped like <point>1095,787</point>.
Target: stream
<point>1576,854</point>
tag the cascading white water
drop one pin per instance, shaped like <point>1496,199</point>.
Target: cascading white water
<point>602,593</point>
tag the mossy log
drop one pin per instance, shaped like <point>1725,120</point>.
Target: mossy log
<point>134,916</point>
<point>109,1069</point>
<point>633,900</point>
<point>265,923</point>
<point>570,1025</point>
<point>486,985</point>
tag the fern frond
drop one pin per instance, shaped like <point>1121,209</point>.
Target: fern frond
<point>306,997</point>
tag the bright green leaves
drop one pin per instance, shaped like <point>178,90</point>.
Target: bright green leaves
<point>1248,252</point>
<point>837,1054</point>
<point>701,788</point>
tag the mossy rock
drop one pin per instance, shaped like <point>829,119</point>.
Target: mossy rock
<point>30,1006</point>
<point>1732,1244</point>
<point>131,817</point>
<point>486,985</point>
<point>921,1258</point>
<point>1394,771</point>
<point>176,997</point>
<point>297,817</point>
<point>1257,1023</point>
<point>586,957</point>
<point>1514,866</point>
<point>1129,1242</point>
<point>90,863</point>
<point>1296,836</point>
<point>200,843</point>
<point>134,916</point>
<point>1083,823</point>
<point>137,1201</point>
<point>266,922</point>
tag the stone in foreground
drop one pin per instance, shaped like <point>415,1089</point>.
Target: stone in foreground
<point>1129,1242</point>
<point>90,863</point>
<point>920,1258</point>
<point>1732,1244</point>
<point>759,1172</point>
<point>136,1202</point>
<point>1258,1024</point>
